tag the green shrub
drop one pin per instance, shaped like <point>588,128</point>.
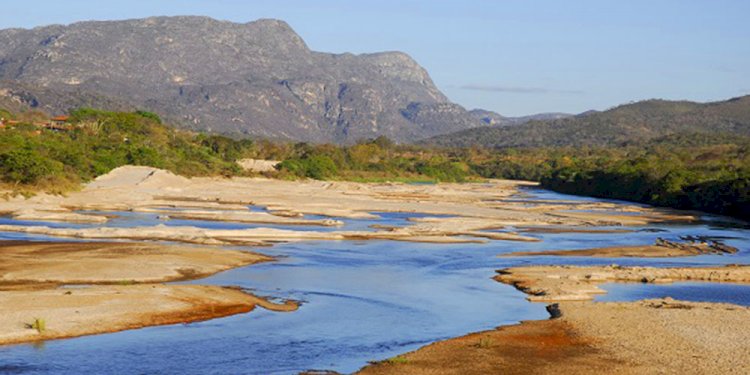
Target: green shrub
<point>27,166</point>
<point>38,324</point>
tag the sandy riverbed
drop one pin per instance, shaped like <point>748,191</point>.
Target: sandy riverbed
<point>27,263</point>
<point>644,337</point>
<point>111,308</point>
<point>661,249</point>
<point>33,276</point>
<point>30,278</point>
<point>584,337</point>
<point>469,212</point>
<point>577,283</point>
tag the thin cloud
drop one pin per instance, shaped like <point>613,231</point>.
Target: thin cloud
<point>518,89</point>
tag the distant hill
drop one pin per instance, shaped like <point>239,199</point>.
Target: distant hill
<point>257,79</point>
<point>495,119</point>
<point>628,123</point>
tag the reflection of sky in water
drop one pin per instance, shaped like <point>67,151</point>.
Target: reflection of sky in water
<point>687,291</point>
<point>362,301</point>
<point>130,219</point>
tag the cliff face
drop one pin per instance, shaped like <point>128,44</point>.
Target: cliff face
<point>258,78</point>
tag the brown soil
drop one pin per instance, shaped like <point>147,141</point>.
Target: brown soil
<point>533,347</point>
<point>651,336</point>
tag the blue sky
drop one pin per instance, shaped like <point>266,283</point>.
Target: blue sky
<point>513,57</point>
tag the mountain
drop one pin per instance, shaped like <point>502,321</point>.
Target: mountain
<point>257,79</point>
<point>628,123</point>
<point>496,119</point>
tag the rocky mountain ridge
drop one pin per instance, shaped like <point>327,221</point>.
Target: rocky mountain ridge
<point>495,119</point>
<point>626,124</point>
<point>253,79</point>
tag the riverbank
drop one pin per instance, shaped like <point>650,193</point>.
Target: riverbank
<point>650,336</point>
<point>660,249</point>
<point>577,283</point>
<point>61,290</point>
<point>45,314</point>
<point>31,263</point>
<point>584,337</point>
<point>114,273</point>
<point>458,213</point>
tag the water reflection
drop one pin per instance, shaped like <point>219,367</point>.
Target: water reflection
<point>363,300</point>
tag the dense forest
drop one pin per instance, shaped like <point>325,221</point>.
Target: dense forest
<point>689,171</point>
<point>683,170</point>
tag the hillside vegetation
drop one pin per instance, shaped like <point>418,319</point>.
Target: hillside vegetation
<point>635,122</point>
<point>37,158</point>
<point>685,170</point>
<point>99,141</point>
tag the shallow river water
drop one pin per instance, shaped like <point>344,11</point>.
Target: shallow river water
<point>361,301</point>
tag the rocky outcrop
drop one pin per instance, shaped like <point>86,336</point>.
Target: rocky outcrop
<point>257,79</point>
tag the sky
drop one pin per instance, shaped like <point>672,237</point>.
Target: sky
<point>515,57</point>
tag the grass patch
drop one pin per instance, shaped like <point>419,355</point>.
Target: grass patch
<point>484,343</point>
<point>38,324</point>
<point>397,360</point>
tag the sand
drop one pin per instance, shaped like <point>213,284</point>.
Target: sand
<point>570,230</point>
<point>110,308</point>
<point>576,283</point>
<point>644,337</point>
<point>661,249</point>
<point>239,217</point>
<point>91,262</point>
<point>118,290</point>
<point>470,212</point>
<point>661,336</point>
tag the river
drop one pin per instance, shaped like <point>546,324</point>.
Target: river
<point>361,301</point>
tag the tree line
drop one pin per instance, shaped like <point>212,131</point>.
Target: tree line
<point>688,171</point>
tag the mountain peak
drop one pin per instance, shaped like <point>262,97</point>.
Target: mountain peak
<point>257,78</point>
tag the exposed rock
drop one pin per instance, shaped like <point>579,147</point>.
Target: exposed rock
<point>257,78</point>
<point>255,165</point>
